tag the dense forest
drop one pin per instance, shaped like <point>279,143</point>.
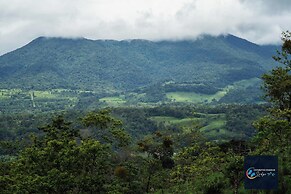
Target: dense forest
<point>112,66</point>
<point>163,147</point>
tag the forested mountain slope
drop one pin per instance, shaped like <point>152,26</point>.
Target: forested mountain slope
<point>47,63</point>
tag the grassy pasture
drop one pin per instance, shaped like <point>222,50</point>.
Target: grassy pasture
<point>113,101</point>
<point>213,125</point>
<point>175,121</point>
<point>193,97</point>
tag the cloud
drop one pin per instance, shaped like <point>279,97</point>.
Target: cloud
<point>260,21</point>
<point>269,6</point>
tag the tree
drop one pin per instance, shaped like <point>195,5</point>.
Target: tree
<point>106,129</point>
<point>159,150</point>
<point>277,83</point>
<point>274,130</point>
<point>59,162</point>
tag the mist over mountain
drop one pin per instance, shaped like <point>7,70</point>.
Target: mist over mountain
<point>109,65</point>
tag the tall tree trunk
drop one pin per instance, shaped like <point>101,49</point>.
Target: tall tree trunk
<point>148,183</point>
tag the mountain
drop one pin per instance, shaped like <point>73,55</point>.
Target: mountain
<point>109,65</point>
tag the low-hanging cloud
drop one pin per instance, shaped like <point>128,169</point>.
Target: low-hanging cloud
<point>260,21</point>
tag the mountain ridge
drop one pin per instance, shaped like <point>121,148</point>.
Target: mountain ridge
<point>80,63</point>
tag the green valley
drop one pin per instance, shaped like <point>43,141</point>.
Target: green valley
<point>137,116</point>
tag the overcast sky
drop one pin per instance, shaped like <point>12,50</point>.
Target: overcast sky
<point>260,21</point>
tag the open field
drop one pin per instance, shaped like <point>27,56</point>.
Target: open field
<point>17,100</point>
<point>41,94</point>
<point>193,97</point>
<point>175,121</point>
<point>211,125</point>
<point>113,101</point>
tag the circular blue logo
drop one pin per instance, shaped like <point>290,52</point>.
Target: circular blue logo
<point>250,173</point>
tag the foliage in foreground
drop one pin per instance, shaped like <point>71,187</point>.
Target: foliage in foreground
<point>100,159</point>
